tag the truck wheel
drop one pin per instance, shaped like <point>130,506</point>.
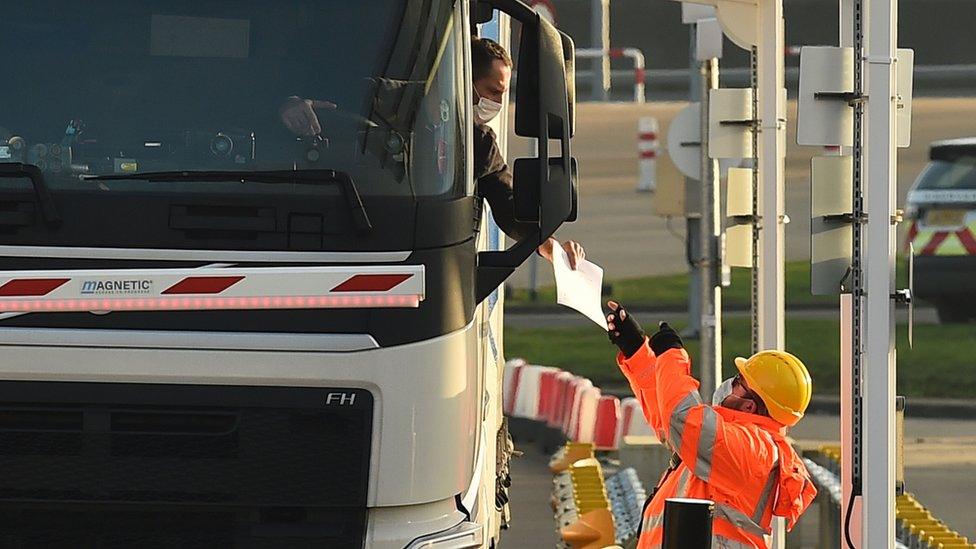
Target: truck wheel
<point>953,312</point>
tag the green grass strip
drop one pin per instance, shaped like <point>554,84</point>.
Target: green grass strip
<point>942,364</point>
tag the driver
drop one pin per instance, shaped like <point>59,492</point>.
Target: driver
<point>492,73</point>
<point>298,115</point>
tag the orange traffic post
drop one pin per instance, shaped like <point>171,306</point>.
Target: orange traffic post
<point>594,530</point>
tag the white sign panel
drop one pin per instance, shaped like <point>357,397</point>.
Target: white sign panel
<point>708,40</point>
<point>729,123</point>
<point>823,120</point>
<point>684,141</point>
<point>692,13</point>
<point>903,106</point>
<point>739,196</point>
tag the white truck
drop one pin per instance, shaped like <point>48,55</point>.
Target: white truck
<point>216,332</point>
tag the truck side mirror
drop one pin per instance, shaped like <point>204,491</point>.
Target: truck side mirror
<point>545,186</point>
<point>481,12</point>
<point>542,89</point>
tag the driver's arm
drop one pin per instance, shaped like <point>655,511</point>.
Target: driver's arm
<point>298,115</point>
<point>495,183</point>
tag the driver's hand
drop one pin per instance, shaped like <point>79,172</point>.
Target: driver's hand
<point>298,115</point>
<point>573,249</point>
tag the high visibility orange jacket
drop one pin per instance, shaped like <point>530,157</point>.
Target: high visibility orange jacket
<point>740,461</point>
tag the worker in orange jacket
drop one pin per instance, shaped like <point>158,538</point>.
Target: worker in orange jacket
<point>733,452</point>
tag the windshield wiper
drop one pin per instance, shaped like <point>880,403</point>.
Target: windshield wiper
<point>304,177</point>
<point>10,170</point>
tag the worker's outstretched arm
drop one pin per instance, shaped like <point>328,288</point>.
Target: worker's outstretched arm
<point>659,372</point>
<point>638,369</point>
<point>636,361</point>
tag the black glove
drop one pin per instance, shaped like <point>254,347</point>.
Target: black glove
<point>665,338</point>
<point>626,334</point>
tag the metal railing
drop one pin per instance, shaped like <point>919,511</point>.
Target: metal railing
<point>638,73</point>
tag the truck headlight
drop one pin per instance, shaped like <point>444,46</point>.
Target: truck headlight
<point>462,536</point>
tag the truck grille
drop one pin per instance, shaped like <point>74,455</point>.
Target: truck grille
<point>124,465</point>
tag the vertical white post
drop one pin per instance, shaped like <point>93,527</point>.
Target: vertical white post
<point>647,149</point>
<point>772,152</point>
<point>879,314</point>
<point>846,356</point>
<point>600,36</point>
<point>693,218</point>
<point>846,442</point>
<point>771,166</point>
<point>710,330</point>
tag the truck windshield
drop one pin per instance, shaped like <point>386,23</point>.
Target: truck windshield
<point>371,88</point>
<point>958,174</point>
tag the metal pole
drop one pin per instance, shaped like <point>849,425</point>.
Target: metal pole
<point>710,330</point>
<point>600,36</point>
<point>879,254</point>
<point>693,221</point>
<point>771,166</point>
<point>772,153</point>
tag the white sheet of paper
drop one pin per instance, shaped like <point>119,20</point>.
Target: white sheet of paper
<point>580,289</point>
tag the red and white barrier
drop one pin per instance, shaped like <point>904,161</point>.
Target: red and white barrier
<point>572,404</point>
<point>647,148</point>
<point>576,388</point>
<point>560,407</point>
<point>586,418</point>
<point>605,435</point>
<point>634,54</point>
<point>527,393</point>
<point>510,381</point>
<point>632,421</point>
<point>547,394</point>
<point>640,74</point>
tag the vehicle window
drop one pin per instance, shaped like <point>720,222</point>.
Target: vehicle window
<point>114,87</point>
<point>945,175</point>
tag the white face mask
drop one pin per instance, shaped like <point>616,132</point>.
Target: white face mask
<point>486,110</point>
<point>722,391</point>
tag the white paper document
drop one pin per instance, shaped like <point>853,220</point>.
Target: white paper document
<point>580,289</point>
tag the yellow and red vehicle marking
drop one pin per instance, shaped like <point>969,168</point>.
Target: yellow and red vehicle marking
<point>961,241</point>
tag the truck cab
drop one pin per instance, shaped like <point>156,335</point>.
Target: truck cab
<point>219,331</point>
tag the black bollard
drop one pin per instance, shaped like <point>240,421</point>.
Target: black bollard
<point>688,523</point>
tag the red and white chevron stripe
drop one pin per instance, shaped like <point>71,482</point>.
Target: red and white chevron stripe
<point>212,288</point>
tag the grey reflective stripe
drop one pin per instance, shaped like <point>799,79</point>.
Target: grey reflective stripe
<point>739,519</point>
<point>706,444</point>
<point>767,491</point>
<point>682,488</point>
<point>678,418</point>
<point>651,522</point>
<point>719,542</point>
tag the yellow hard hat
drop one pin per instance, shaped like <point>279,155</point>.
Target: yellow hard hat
<point>781,381</point>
